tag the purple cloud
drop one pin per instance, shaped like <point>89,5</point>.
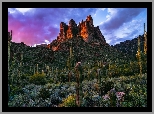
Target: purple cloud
<point>123,15</point>
<point>38,24</point>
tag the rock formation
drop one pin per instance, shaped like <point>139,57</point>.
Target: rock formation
<point>85,29</point>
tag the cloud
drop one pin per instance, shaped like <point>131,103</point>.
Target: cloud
<point>118,16</point>
<point>39,24</point>
<point>23,10</point>
<point>46,41</point>
<point>102,9</point>
<point>108,41</point>
<point>122,24</point>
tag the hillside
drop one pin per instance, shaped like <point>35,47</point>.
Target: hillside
<point>78,69</point>
<point>129,47</point>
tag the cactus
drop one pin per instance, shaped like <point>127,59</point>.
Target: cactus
<point>145,43</point>
<point>21,56</point>
<point>37,68</point>
<point>79,84</point>
<point>18,76</point>
<point>34,69</point>
<point>110,65</point>
<point>99,77</point>
<point>30,69</point>
<point>71,52</point>
<point>9,44</point>
<point>42,71</point>
<point>69,62</point>
<point>56,74</point>
<point>88,74</point>
<point>106,72</point>
<point>69,76</point>
<point>45,65</point>
<point>47,68</point>
<point>138,55</point>
<point>52,70</point>
<point>8,54</point>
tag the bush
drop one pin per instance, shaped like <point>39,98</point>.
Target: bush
<point>69,101</point>
<point>25,76</point>
<point>107,85</point>
<point>38,79</point>
<point>51,80</point>
<point>15,90</point>
<point>87,101</point>
<point>48,86</point>
<point>44,93</point>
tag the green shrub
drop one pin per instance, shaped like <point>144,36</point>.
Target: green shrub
<point>51,80</point>
<point>69,101</point>
<point>38,79</point>
<point>48,85</point>
<point>25,76</point>
<point>107,85</point>
<point>44,93</point>
<point>15,90</point>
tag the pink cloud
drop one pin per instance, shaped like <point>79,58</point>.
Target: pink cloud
<point>38,24</point>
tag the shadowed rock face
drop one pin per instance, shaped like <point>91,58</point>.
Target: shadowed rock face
<point>85,29</point>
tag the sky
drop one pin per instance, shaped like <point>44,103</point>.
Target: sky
<point>42,25</point>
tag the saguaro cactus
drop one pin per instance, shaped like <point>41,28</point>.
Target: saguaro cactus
<point>37,68</point>
<point>138,55</point>
<point>18,75</point>
<point>69,62</point>
<point>79,84</point>
<point>21,56</point>
<point>71,52</point>
<point>69,76</point>
<point>34,69</point>
<point>52,70</point>
<point>30,68</point>
<point>99,81</point>
<point>145,42</point>
<point>56,75</point>
<point>47,69</point>
<point>42,71</point>
<point>9,44</point>
<point>8,54</point>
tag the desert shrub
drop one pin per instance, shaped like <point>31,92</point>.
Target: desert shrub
<point>107,85</point>
<point>69,101</point>
<point>87,101</point>
<point>119,86</point>
<point>96,86</point>
<point>25,76</point>
<point>44,93</point>
<point>51,80</point>
<point>23,100</point>
<point>38,79</point>
<point>55,99</point>
<point>63,77</point>
<point>48,86</point>
<point>137,100</point>
<point>62,94</point>
<point>14,91</point>
<point>17,101</point>
<point>104,102</point>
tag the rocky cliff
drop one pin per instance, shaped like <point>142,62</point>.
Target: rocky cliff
<point>84,29</point>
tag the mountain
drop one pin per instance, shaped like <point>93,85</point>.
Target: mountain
<point>83,42</point>
<point>129,48</point>
<point>85,30</point>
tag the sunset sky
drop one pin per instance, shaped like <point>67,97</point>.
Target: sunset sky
<point>41,25</point>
